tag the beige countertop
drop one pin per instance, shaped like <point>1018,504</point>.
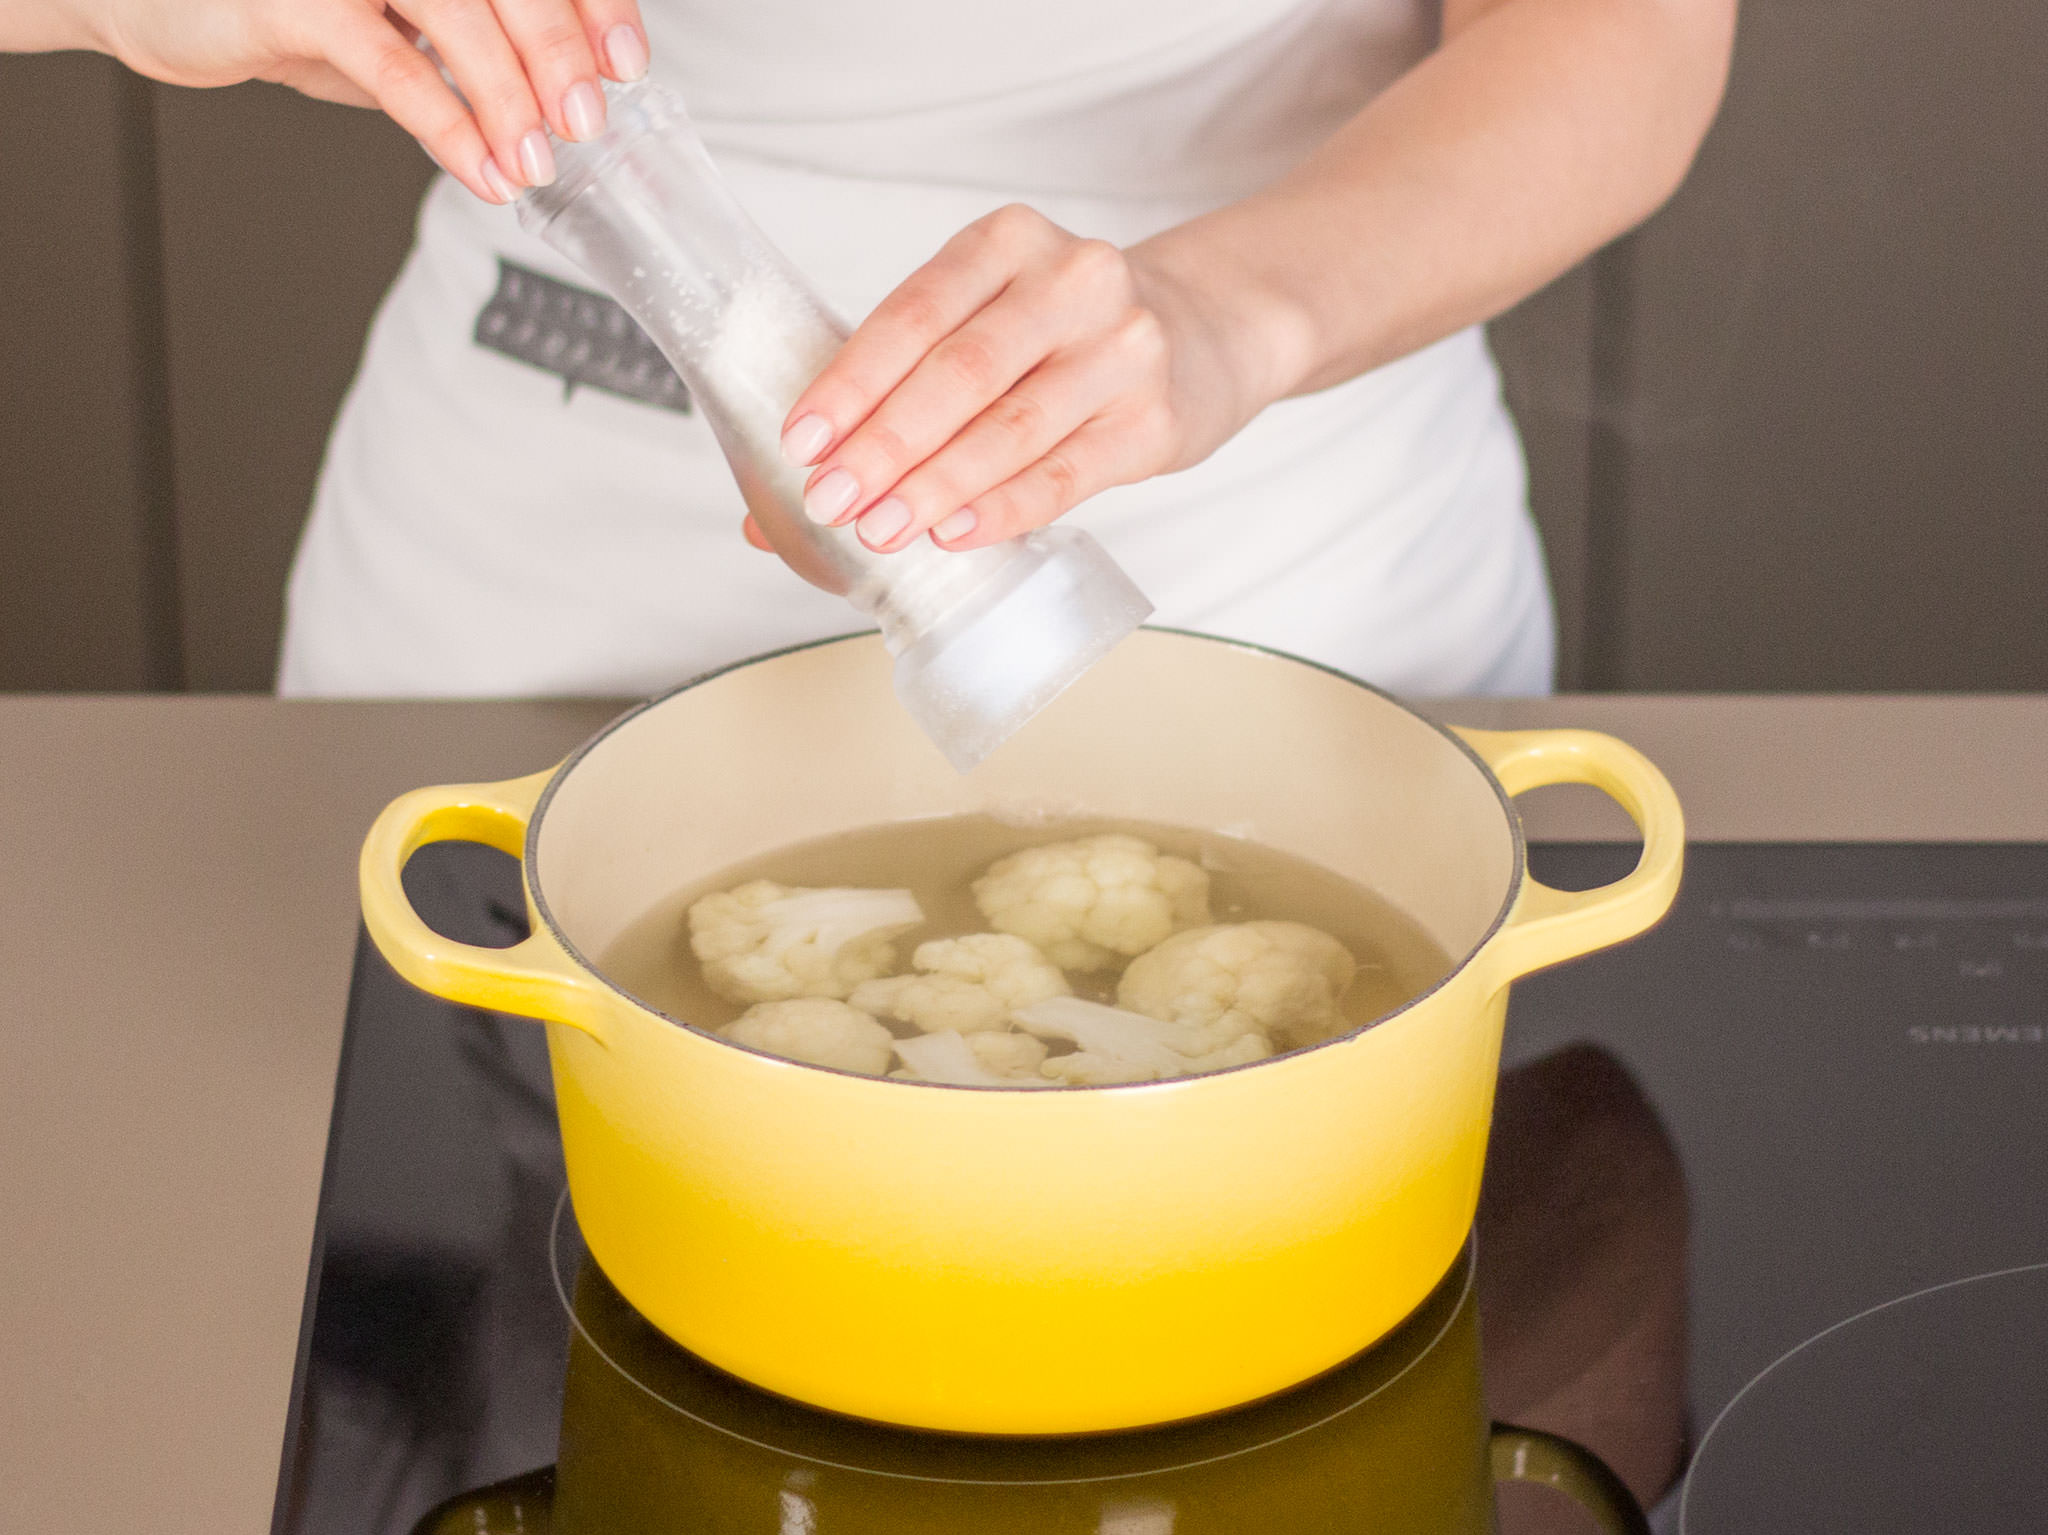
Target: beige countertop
<point>177,920</point>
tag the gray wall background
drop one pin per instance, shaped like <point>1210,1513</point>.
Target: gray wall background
<point>1792,434</point>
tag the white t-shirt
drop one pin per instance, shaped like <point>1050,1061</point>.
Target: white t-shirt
<point>481,530</point>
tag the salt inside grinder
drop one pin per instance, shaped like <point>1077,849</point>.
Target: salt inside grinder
<point>982,639</point>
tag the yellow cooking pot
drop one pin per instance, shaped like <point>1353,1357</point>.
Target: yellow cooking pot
<point>1006,1261</point>
<point>1395,1440</point>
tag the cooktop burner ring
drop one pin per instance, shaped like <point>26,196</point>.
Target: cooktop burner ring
<point>1452,1309</point>
<point>1806,1351</point>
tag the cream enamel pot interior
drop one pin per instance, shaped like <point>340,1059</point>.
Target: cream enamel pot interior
<point>999,1260</point>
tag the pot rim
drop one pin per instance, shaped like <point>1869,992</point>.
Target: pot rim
<point>530,868</point>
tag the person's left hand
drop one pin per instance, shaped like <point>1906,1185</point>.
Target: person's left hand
<point>1017,373</point>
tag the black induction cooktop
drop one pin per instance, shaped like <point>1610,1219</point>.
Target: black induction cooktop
<point>1765,1229</point>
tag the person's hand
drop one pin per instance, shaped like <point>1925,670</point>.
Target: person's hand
<point>1020,371</point>
<point>523,64</point>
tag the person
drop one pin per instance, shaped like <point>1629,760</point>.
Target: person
<point>1206,273</point>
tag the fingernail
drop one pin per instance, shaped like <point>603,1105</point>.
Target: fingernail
<point>828,500</point>
<point>536,160</point>
<point>625,52</point>
<point>882,522</point>
<point>956,525</point>
<point>583,111</point>
<point>806,440</point>
<point>501,188</point>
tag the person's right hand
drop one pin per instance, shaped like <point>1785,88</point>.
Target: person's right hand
<point>522,64</point>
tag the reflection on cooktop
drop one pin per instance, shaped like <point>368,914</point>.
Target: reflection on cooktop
<point>1834,1037</point>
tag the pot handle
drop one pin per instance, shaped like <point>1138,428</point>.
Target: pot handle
<point>1547,924</point>
<point>533,978</point>
<point>1529,1455</point>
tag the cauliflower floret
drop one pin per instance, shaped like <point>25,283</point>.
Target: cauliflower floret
<point>966,1061</point>
<point>1281,979</point>
<point>970,985</point>
<point>1241,1051</point>
<point>817,1030</point>
<point>1121,1046</point>
<point>1009,1054</point>
<point>765,942</point>
<point>1084,1068</point>
<point>1089,1068</point>
<point>1088,902</point>
<point>1147,1048</point>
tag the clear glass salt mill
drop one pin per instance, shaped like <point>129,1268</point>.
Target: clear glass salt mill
<point>982,639</point>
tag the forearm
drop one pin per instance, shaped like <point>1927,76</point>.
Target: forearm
<point>1537,132</point>
<point>43,26</point>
